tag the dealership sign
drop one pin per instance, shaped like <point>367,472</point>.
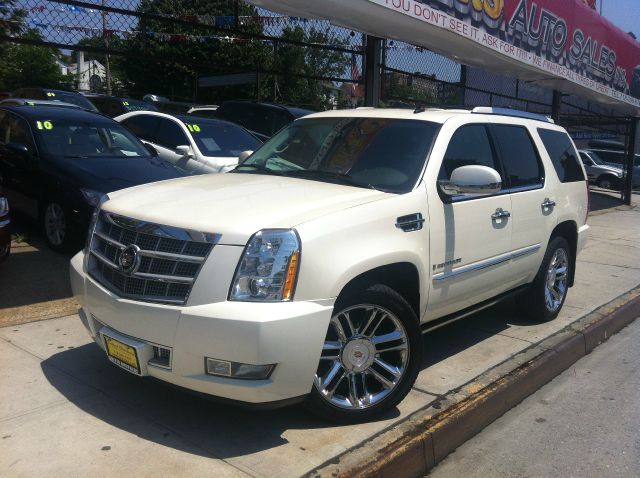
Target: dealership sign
<point>565,39</point>
<point>551,40</point>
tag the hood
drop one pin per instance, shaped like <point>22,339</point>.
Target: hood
<point>237,205</point>
<point>111,174</point>
<point>611,168</point>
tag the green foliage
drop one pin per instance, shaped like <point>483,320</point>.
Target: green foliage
<point>29,65</point>
<point>171,67</point>
<point>299,65</point>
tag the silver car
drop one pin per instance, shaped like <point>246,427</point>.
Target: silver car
<point>604,175</point>
<point>614,159</point>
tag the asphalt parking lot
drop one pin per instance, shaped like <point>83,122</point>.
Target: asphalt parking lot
<point>64,407</point>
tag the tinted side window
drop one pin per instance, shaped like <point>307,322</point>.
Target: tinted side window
<point>468,146</point>
<point>563,155</point>
<point>16,130</point>
<point>612,157</point>
<point>143,126</point>
<point>170,134</point>
<point>519,156</point>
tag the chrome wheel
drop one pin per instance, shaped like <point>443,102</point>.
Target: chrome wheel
<point>364,357</point>
<point>55,225</point>
<point>556,280</point>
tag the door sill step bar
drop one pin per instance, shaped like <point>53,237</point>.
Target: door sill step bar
<point>447,319</point>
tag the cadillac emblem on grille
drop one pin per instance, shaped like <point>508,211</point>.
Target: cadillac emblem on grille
<point>129,260</point>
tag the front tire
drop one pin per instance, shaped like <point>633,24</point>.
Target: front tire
<point>607,182</point>
<point>370,358</point>
<point>55,226</point>
<point>546,295</point>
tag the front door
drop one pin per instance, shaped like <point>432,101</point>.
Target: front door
<point>470,236</point>
<point>17,172</point>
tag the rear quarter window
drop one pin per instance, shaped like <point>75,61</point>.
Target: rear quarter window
<point>563,155</point>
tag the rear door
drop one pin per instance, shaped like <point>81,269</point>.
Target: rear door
<point>469,243</point>
<point>533,198</point>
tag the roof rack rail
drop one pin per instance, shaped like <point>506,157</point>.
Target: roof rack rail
<point>488,110</point>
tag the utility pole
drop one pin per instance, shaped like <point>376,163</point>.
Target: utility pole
<point>105,38</point>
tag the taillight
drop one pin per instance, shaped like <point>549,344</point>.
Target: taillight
<point>586,214</point>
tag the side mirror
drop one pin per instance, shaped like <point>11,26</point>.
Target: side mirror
<point>244,155</point>
<point>153,151</point>
<point>19,153</point>
<point>476,180</point>
<point>184,151</point>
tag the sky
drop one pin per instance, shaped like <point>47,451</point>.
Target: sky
<point>625,14</point>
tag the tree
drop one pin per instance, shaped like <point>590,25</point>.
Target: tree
<point>300,68</point>
<point>30,65</point>
<point>169,56</point>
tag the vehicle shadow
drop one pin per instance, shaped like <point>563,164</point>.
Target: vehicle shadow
<point>173,417</point>
<point>603,199</point>
<point>34,274</point>
<point>200,425</point>
<point>456,337</point>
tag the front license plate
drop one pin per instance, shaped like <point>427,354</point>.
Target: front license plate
<point>122,355</point>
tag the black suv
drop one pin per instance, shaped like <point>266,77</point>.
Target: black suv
<point>56,164</point>
<point>262,119</point>
<point>54,95</point>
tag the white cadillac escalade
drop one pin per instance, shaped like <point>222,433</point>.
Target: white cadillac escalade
<point>310,271</point>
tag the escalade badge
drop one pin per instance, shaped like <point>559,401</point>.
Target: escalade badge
<point>129,260</point>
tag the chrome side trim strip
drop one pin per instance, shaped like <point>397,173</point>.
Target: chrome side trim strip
<point>488,263</point>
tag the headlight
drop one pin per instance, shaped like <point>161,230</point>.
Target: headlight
<point>4,207</point>
<point>268,268</point>
<point>92,197</point>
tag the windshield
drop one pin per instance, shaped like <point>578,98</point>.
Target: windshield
<point>221,139</point>
<point>87,139</point>
<point>595,158</point>
<point>72,98</point>
<point>137,105</point>
<point>380,153</point>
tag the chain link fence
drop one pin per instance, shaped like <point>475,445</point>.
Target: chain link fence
<point>195,50</point>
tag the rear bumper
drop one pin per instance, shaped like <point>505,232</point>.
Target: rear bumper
<point>289,335</point>
<point>583,234</point>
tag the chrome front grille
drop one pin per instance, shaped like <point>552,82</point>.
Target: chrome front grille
<point>168,263</point>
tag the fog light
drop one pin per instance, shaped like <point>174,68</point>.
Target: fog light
<point>224,368</point>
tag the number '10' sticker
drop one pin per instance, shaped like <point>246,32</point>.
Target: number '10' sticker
<point>44,124</point>
<point>194,128</point>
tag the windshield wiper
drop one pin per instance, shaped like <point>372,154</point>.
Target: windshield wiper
<point>255,167</point>
<point>328,176</point>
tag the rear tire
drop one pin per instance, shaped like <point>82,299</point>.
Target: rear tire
<point>544,299</point>
<point>370,359</point>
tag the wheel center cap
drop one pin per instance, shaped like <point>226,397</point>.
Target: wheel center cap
<point>358,355</point>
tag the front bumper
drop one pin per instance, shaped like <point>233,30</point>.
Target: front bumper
<point>288,334</point>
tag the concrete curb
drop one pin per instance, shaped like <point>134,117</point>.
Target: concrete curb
<point>426,437</point>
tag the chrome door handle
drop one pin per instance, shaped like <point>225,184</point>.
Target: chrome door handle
<point>500,214</point>
<point>548,203</point>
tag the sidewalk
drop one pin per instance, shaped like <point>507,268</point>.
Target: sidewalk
<point>64,407</point>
